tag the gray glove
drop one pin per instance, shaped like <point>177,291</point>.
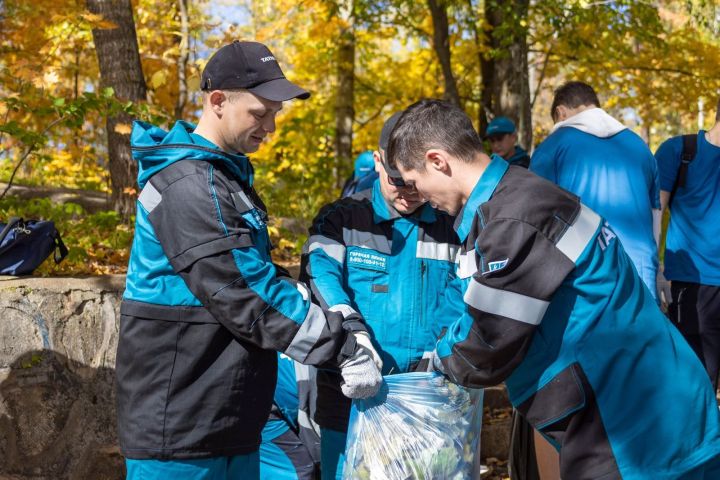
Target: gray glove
<point>664,291</point>
<point>360,373</point>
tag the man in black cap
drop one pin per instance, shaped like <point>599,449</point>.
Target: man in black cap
<point>205,308</point>
<point>387,255</point>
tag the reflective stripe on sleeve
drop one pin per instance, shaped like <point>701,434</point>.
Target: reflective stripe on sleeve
<point>579,234</point>
<point>308,334</point>
<point>149,198</point>
<point>346,310</point>
<point>507,304</point>
<point>333,249</point>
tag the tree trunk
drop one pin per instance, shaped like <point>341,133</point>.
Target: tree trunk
<point>506,89</point>
<point>182,59</point>
<point>119,60</point>
<point>441,45</point>
<point>344,103</point>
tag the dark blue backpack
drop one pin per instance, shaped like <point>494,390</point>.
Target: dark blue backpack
<point>24,245</point>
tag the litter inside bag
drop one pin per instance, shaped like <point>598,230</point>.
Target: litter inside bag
<point>418,427</point>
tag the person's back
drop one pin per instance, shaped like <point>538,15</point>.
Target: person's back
<point>692,253</point>
<point>613,172</point>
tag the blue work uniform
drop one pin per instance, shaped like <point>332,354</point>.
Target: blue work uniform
<point>556,311</point>
<point>398,272</point>
<point>203,313</point>
<point>289,447</point>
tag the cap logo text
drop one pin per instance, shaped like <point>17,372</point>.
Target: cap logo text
<point>267,59</point>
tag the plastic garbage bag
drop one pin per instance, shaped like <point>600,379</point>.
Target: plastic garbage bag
<point>418,427</point>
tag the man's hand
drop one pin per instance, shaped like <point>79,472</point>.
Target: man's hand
<point>360,373</point>
<point>664,291</point>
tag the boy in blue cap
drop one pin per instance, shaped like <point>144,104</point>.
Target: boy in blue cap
<point>502,135</point>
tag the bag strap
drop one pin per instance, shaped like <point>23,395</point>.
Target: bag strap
<point>60,251</point>
<point>689,150</point>
<point>9,227</point>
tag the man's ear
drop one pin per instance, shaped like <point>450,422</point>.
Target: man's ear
<point>437,160</point>
<point>217,99</point>
<point>561,113</point>
<point>378,161</point>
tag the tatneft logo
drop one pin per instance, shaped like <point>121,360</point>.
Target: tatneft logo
<point>267,59</point>
<point>495,266</point>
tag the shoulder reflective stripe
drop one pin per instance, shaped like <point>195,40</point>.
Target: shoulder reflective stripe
<point>149,198</point>
<point>333,249</point>
<point>303,291</point>
<point>508,304</point>
<point>308,334</point>
<point>436,251</point>
<point>467,265</point>
<point>242,202</point>
<point>344,309</point>
<point>579,234</point>
<point>359,238</point>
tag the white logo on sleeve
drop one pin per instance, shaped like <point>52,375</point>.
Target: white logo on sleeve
<point>495,266</point>
<point>268,59</point>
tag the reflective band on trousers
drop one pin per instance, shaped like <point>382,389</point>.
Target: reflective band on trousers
<point>507,304</point>
<point>579,234</point>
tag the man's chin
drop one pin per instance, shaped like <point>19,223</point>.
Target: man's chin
<point>405,207</point>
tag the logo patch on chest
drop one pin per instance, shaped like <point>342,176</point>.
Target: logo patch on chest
<point>367,259</point>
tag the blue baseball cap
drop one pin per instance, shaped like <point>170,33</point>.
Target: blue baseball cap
<point>364,163</point>
<point>500,125</point>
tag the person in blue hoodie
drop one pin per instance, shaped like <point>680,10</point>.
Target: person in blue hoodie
<point>502,136</point>
<point>556,311</point>
<point>612,170</point>
<point>205,309</point>
<point>363,177</point>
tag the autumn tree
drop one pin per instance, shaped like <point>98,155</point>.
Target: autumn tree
<point>120,69</point>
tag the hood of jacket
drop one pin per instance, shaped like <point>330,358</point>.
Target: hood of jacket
<point>154,149</point>
<point>594,121</point>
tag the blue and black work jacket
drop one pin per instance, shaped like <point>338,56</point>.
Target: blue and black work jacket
<point>557,311</point>
<point>397,272</point>
<point>204,307</point>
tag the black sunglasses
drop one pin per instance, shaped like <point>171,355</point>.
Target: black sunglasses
<point>395,181</point>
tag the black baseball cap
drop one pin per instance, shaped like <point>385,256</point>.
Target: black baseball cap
<point>251,66</point>
<point>387,130</point>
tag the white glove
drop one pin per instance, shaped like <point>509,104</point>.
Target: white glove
<point>434,364</point>
<point>663,288</point>
<point>363,339</point>
<point>361,376</point>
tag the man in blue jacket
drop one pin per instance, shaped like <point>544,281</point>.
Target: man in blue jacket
<point>502,136</point>
<point>205,309</point>
<point>556,310</point>
<point>692,253</point>
<point>386,255</point>
<point>610,168</point>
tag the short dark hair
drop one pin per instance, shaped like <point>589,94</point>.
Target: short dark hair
<point>573,95</point>
<point>717,111</point>
<point>428,124</point>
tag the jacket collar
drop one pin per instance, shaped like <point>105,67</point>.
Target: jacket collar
<point>481,193</point>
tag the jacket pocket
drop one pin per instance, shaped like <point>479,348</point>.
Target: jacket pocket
<point>566,412</point>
